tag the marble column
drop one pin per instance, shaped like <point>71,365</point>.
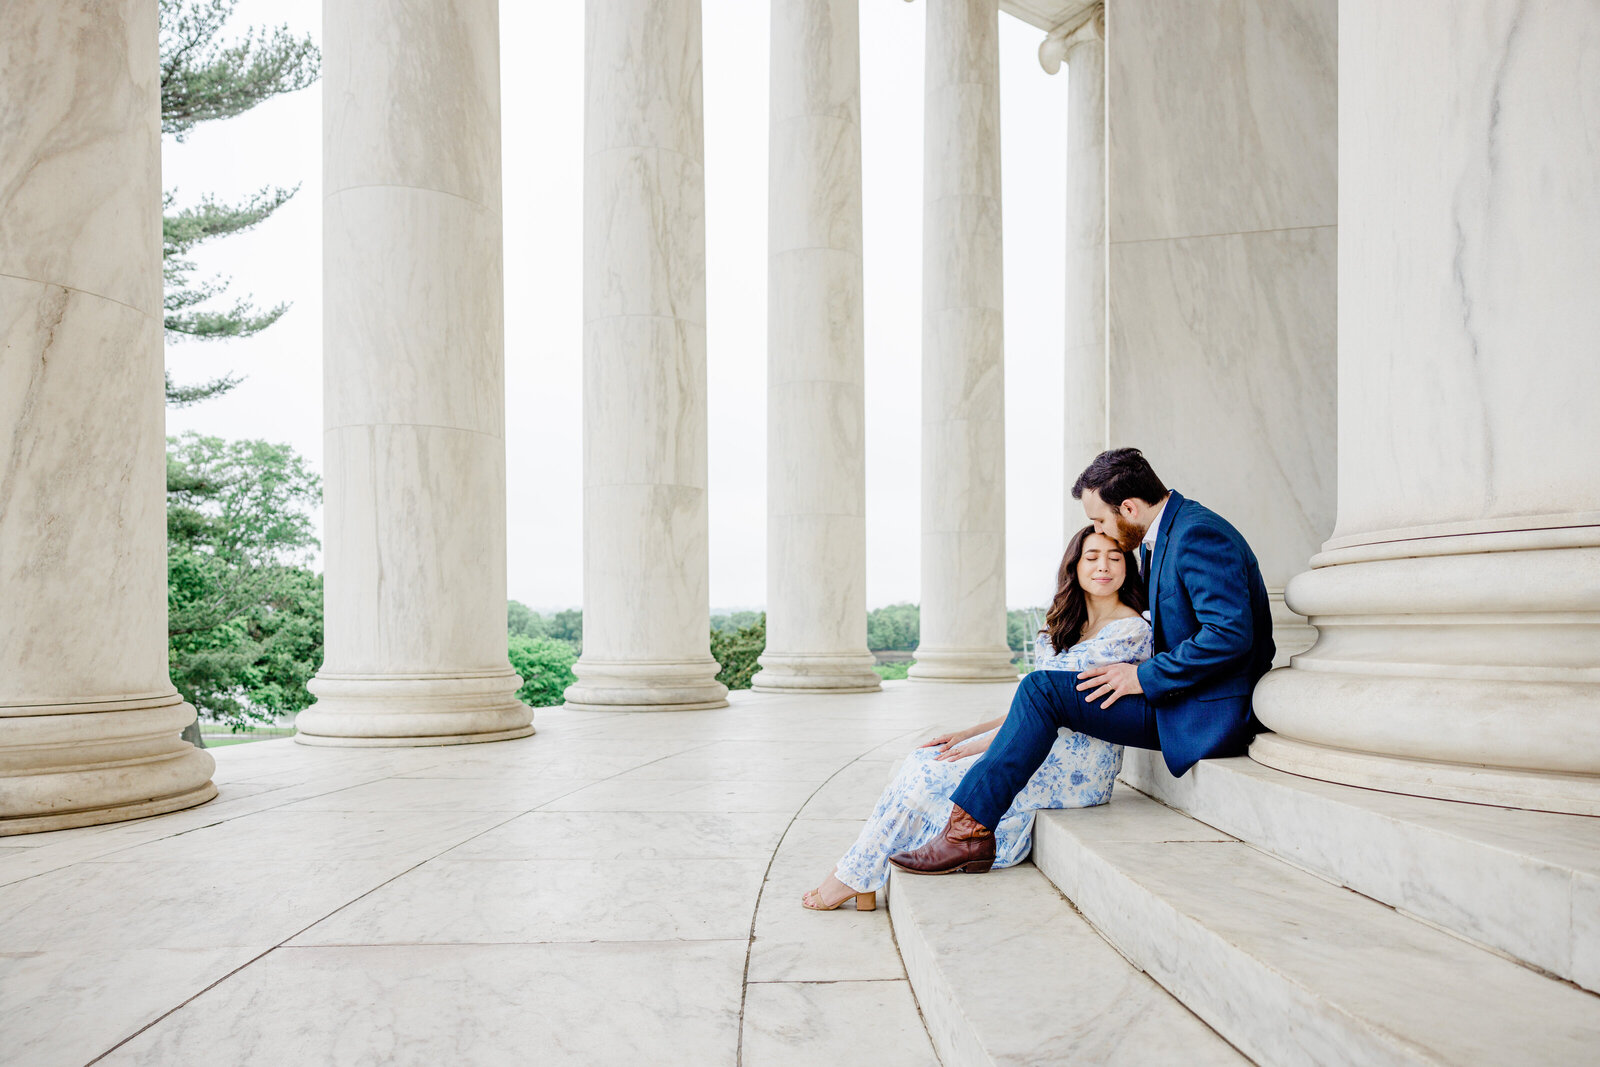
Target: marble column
<point>413,370</point>
<point>816,458</point>
<point>963,372</point>
<point>1458,601</point>
<point>646,595</point>
<point>1222,174</point>
<point>89,719</point>
<point>1084,405</point>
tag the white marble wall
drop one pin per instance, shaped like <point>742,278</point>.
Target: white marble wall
<point>1084,403</point>
<point>646,595</point>
<point>1222,153</point>
<point>413,380</point>
<point>963,348</point>
<point>89,720</point>
<point>816,422</point>
<point>1456,599</point>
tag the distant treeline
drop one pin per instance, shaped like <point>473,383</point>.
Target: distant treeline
<point>893,628</point>
<point>897,628</point>
<point>543,648</point>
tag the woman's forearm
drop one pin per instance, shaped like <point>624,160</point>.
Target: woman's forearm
<point>985,727</point>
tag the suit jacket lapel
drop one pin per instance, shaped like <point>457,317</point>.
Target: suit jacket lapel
<point>1163,540</point>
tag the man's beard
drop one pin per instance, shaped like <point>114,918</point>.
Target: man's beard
<point>1129,536</point>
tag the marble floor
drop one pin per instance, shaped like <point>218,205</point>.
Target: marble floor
<point>617,888</point>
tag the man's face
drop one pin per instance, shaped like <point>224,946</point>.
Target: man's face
<point>1120,523</point>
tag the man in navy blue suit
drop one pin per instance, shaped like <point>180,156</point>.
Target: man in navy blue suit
<point>1190,700</point>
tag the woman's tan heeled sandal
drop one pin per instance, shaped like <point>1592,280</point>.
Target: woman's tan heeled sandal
<point>864,902</point>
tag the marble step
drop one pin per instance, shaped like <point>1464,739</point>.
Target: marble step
<point>1006,972</point>
<point>1291,968</point>
<point>1526,883</point>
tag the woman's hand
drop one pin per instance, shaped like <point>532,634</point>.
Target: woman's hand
<point>944,741</point>
<point>962,751</point>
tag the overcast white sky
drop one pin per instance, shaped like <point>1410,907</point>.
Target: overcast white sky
<point>542,101</point>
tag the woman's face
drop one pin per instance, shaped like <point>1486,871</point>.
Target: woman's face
<point>1102,567</point>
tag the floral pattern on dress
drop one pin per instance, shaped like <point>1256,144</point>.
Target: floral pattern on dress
<point>1078,772</point>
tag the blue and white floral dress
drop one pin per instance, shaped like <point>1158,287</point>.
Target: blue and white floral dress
<point>1077,773</point>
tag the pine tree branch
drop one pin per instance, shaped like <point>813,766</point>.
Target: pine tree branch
<point>241,320</point>
<point>182,230</point>
<point>180,293</point>
<point>203,81</point>
<point>180,396</point>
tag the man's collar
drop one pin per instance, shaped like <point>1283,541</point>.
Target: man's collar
<point>1154,529</point>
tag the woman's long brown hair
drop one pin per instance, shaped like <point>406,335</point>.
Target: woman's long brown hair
<point>1069,611</point>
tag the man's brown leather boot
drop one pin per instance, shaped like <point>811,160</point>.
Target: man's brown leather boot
<point>964,846</point>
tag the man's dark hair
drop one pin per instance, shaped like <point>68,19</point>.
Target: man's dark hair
<point>1118,474</point>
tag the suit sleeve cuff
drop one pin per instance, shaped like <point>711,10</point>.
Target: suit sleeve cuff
<point>1148,680</point>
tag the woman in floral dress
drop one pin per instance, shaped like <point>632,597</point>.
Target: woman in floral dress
<point>1094,619</point>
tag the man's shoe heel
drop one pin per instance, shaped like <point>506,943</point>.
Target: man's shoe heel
<point>978,867</point>
<point>867,901</point>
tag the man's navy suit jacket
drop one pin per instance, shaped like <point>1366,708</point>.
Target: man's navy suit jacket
<point>1213,636</point>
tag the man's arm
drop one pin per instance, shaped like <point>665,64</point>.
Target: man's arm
<point>1214,572</point>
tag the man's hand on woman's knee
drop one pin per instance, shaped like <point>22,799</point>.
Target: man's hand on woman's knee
<point>1111,680</point>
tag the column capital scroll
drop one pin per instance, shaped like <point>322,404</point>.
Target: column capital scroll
<point>1088,25</point>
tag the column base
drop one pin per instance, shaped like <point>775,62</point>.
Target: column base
<point>839,673</point>
<point>1571,794</point>
<point>1292,634</point>
<point>72,820</point>
<point>65,766</point>
<point>613,685</point>
<point>401,711</point>
<point>963,665</point>
<point>1461,668</point>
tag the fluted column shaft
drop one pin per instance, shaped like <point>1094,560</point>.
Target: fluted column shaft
<point>963,376</point>
<point>1458,601</point>
<point>646,594</point>
<point>413,378</point>
<point>1084,409</point>
<point>816,458</point>
<point>89,719</point>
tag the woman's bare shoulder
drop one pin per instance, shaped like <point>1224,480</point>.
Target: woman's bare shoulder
<point>1118,622</point>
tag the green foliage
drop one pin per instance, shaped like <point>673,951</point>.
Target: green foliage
<point>203,80</point>
<point>737,620</point>
<point>894,628</point>
<point>180,232</point>
<point>181,396</point>
<point>567,626</point>
<point>736,651</point>
<point>244,611</point>
<point>544,647</point>
<point>545,664</point>
<point>543,651</point>
<point>1021,628</point>
<point>523,621</point>
<point>893,672</point>
<point>288,631</point>
<point>561,625</point>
